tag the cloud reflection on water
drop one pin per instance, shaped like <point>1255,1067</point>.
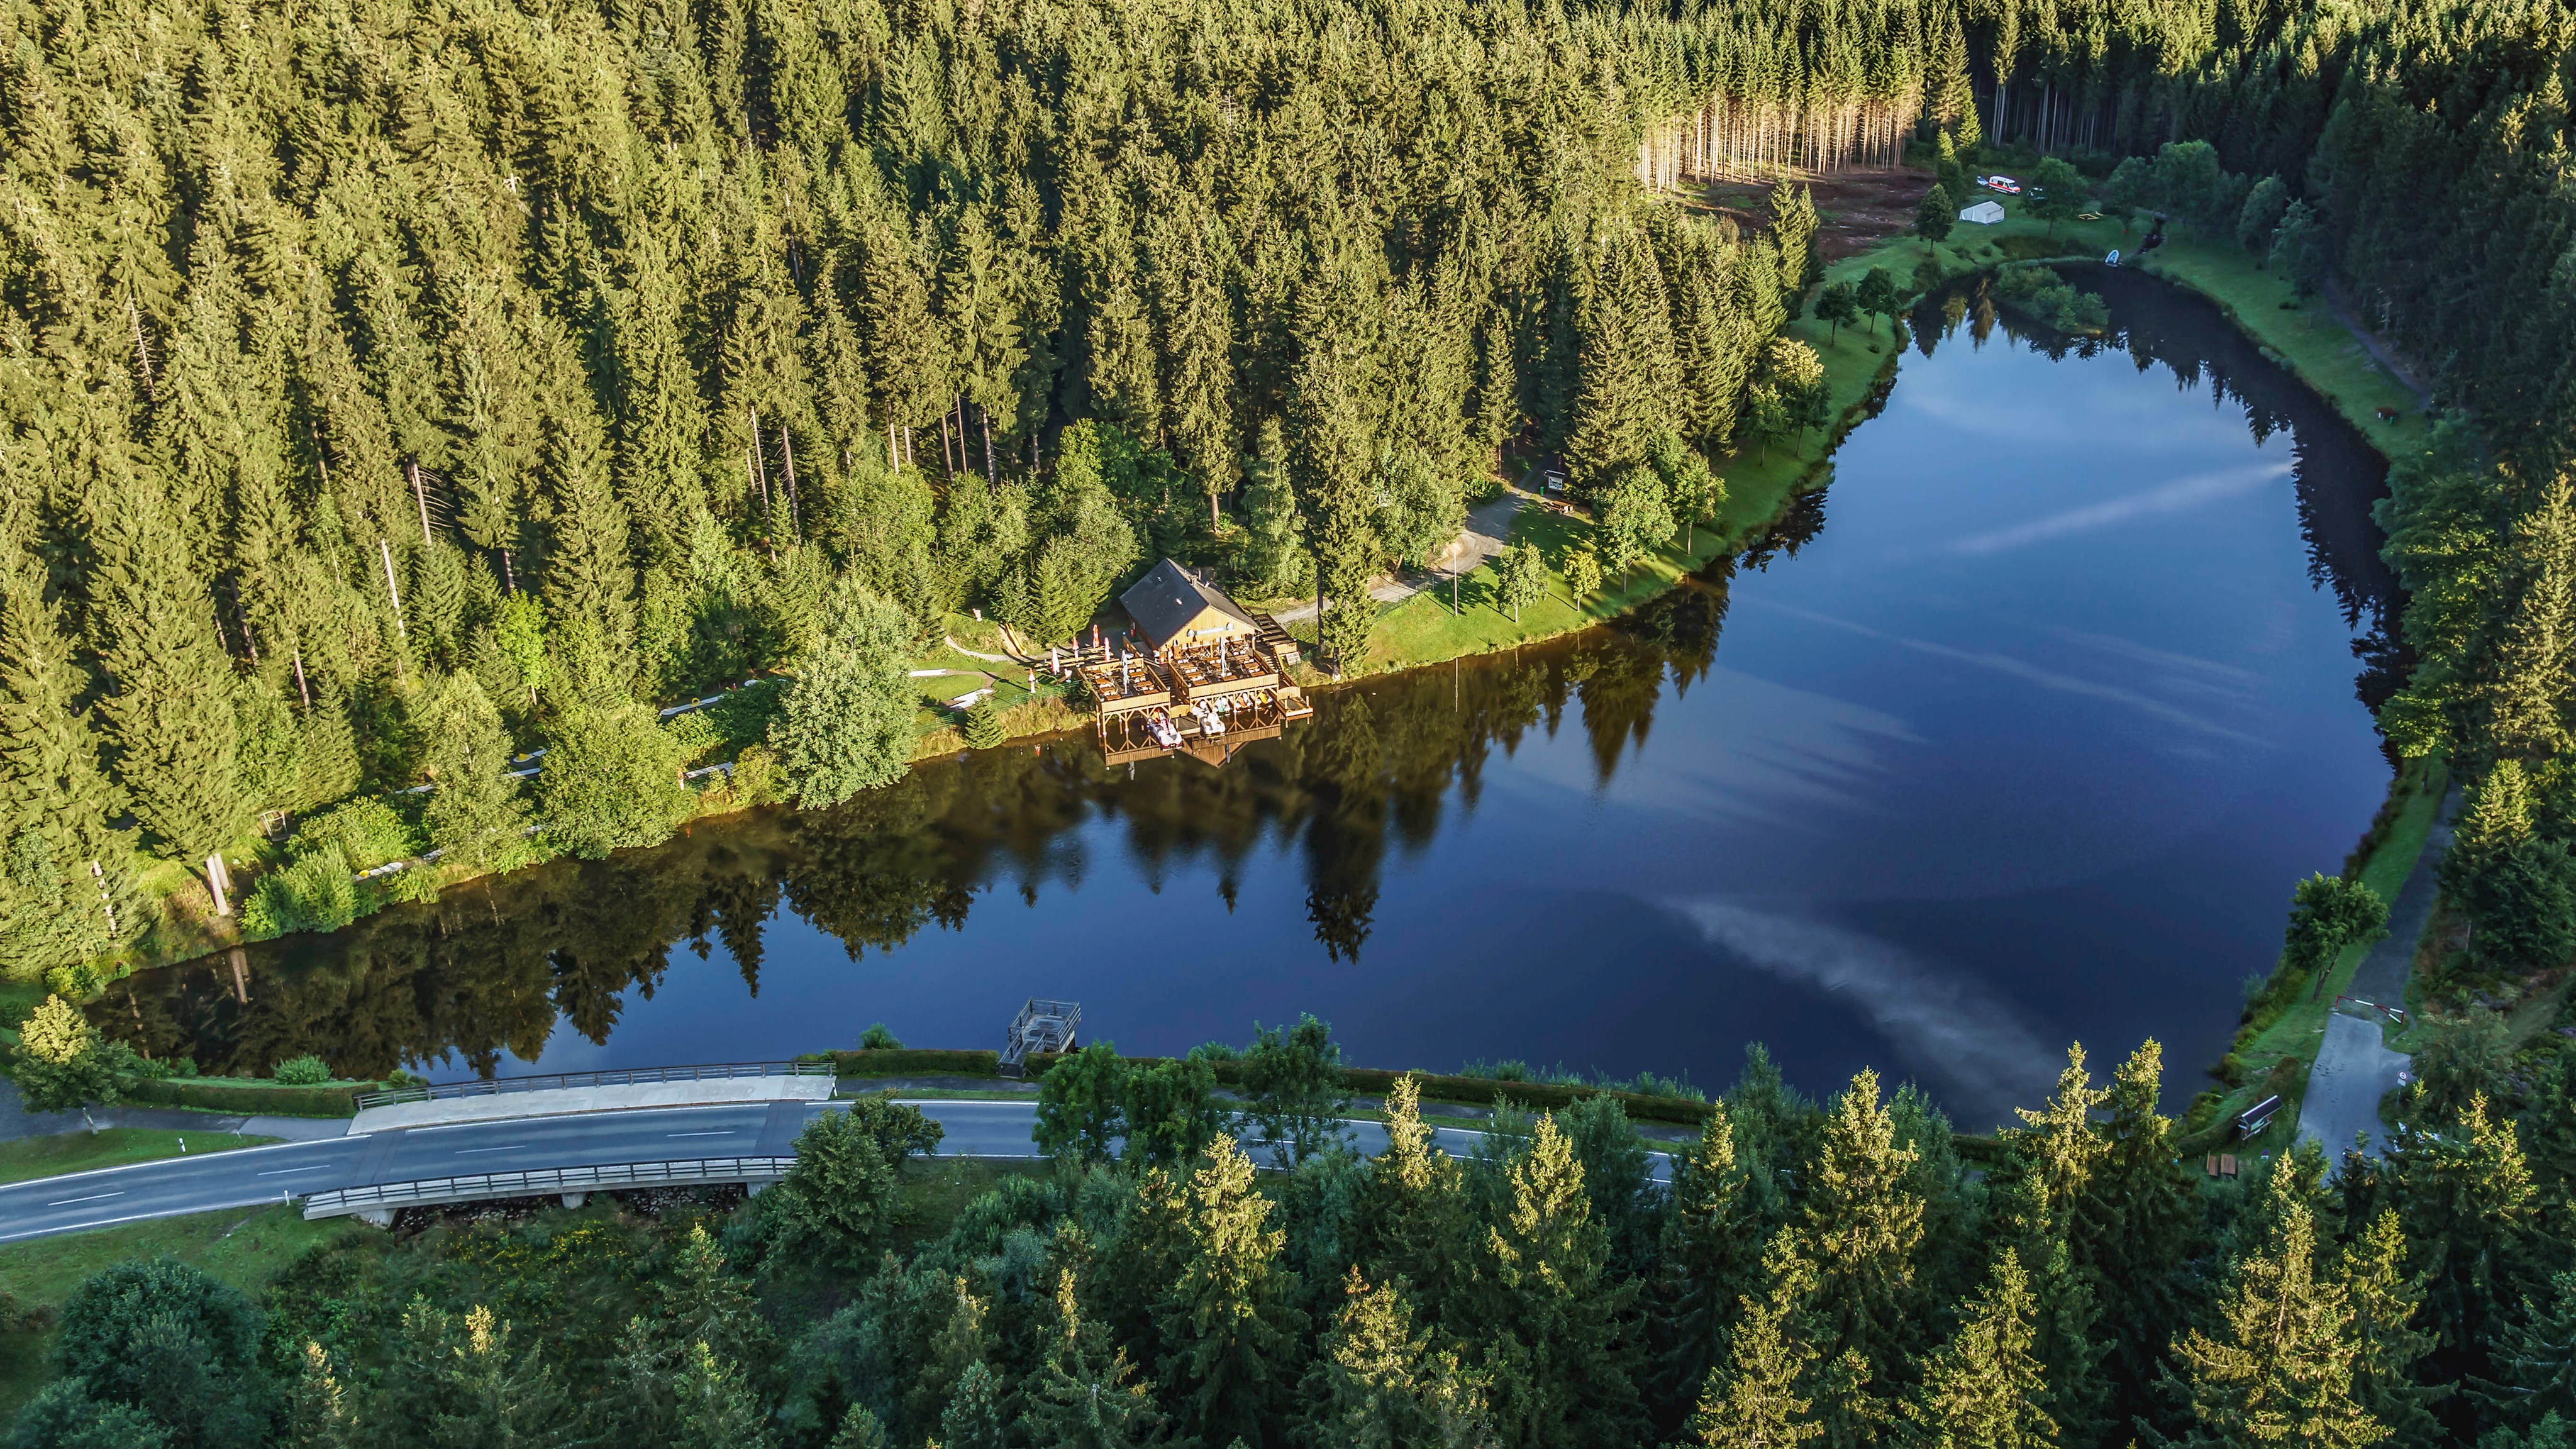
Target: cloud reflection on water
<point>2173,497</point>
<point>1976,1051</point>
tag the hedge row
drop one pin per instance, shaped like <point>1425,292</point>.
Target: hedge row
<point>222,1094</point>
<point>907,1062</point>
<point>1479,1091</point>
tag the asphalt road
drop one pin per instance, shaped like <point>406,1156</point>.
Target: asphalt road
<point>250,1176</point>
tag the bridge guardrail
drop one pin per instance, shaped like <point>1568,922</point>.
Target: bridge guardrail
<point>622,1077</point>
<point>540,1182</point>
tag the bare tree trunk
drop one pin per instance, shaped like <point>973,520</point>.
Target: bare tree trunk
<point>385,549</point>
<point>300,686</point>
<point>787,455</point>
<point>992,477</point>
<point>420,496</point>
<point>142,350</point>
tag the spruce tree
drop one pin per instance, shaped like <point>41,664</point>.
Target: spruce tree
<point>1378,1384</point>
<point>1753,1400</point>
<point>1985,1389</point>
<point>1230,1333</point>
<point>589,583</point>
<point>169,716</point>
<point>62,1064</point>
<point>1557,1322</point>
<point>2281,1364</point>
<point>2136,1226</point>
<point>1711,1245</point>
<point>1863,1221</point>
<point>320,1412</point>
<point>2466,1205</point>
<point>1413,1216</point>
<point>2385,1298</point>
<point>973,1418</point>
<point>55,797</point>
<point>1083,1394</point>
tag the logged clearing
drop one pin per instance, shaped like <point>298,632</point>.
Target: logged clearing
<point>1855,210</point>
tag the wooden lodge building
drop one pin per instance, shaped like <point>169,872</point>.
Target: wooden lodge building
<point>1209,678</point>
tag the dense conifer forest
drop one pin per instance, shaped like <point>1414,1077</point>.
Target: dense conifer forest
<point>389,391</point>
<point>1827,1274</point>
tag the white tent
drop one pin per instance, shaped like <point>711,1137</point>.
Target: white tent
<point>1984,213</point>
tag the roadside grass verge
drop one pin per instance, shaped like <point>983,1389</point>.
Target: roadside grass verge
<point>245,1247</point>
<point>33,1157</point>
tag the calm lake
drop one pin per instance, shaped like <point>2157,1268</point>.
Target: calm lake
<point>2017,734</point>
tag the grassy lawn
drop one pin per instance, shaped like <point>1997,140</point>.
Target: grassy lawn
<point>2304,335</point>
<point>2301,1030</point>
<point>85,1151</point>
<point>243,1247</point>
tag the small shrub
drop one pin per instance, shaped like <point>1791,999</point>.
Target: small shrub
<point>694,733</point>
<point>316,893</point>
<point>1503,1071</point>
<point>756,779</point>
<point>984,726</point>
<point>304,1071</point>
<point>367,833</point>
<point>877,1039</point>
<point>742,717</point>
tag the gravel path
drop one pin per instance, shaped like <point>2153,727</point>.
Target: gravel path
<point>2354,1068</point>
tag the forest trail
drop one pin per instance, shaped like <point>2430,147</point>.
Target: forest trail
<point>1488,530</point>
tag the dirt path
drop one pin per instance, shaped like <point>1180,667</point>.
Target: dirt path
<point>2381,352</point>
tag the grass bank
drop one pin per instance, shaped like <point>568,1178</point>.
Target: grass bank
<point>34,1157</point>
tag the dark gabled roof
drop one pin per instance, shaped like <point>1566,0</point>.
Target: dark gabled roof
<point>1166,599</point>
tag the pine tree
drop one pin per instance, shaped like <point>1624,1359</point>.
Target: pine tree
<point>1984,1389</point>
<point>2281,1364</point>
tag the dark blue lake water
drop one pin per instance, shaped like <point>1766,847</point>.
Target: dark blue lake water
<point>2017,734</point>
